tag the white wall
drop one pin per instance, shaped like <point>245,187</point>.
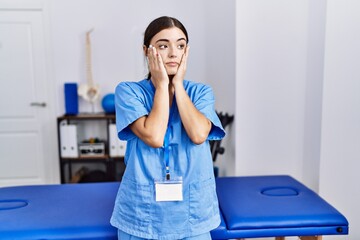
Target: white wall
<point>220,71</point>
<point>273,42</point>
<point>340,138</point>
<point>116,40</point>
<point>313,93</point>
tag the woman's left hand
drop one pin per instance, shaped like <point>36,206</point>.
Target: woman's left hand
<point>180,74</point>
<point>196,125</point>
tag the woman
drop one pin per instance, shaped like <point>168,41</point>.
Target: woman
<point>168,188</point>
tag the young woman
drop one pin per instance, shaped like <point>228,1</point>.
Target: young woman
<point>168,189</point>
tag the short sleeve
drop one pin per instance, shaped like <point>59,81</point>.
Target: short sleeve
<point>204,101</point>
<point>129,106</point>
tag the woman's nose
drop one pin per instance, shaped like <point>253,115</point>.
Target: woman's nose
<point>172,52</point>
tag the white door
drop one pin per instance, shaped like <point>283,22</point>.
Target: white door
<point>27,134</point>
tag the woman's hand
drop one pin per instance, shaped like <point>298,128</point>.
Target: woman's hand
<point>180,74</point>
<point>196,125</point>
<point>152,128</point>
<point>157,69</point>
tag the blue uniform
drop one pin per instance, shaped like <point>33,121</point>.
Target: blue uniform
<point>136,212</point>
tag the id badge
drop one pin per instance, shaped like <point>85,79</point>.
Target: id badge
<point>168,190</point>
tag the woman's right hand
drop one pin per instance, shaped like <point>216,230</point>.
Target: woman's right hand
<point>151,128</point>
<point>157,69</point>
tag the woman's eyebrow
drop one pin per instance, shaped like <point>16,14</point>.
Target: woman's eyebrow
<point>181,39</point>
<point>167,40</point>
<point>163,40</point>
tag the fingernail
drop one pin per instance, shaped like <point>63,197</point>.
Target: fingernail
<point>150,46</point>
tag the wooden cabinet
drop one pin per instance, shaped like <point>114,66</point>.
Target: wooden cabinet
<point>87,148</point>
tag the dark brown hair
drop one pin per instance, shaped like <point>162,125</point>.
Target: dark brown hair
<point>160,24</point>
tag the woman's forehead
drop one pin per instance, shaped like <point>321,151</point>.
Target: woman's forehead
<point>173,34</point>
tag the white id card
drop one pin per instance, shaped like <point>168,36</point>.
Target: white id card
<point>168,191</point>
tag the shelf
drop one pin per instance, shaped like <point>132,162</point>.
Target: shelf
<point>95,158</point>
<point>111,163</point>
<point>88,116</point>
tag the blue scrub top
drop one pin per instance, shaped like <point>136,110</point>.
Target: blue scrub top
<point>136,212</point>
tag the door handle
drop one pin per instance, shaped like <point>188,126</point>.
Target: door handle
<point>38,104</point>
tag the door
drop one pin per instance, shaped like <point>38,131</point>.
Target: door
<point>27,152</point>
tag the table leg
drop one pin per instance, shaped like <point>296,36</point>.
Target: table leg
<point>311,238</point>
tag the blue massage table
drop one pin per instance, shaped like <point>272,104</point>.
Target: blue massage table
<point>251,207</point>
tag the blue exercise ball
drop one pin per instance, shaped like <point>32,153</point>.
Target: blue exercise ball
<point>108,103</point>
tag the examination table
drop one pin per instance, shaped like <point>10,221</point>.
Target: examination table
<point>251,207</point>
